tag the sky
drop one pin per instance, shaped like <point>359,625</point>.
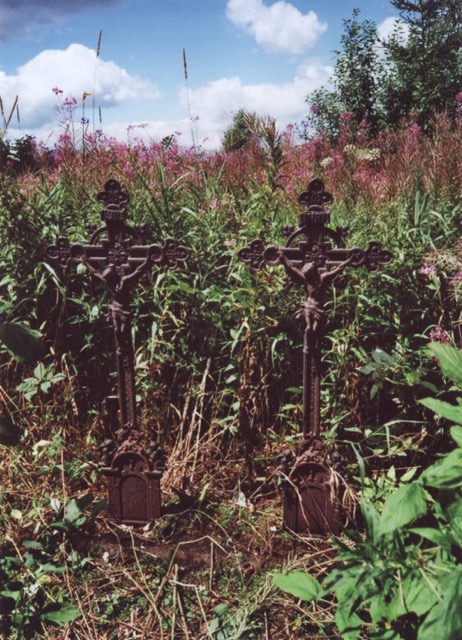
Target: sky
<point>264,56</point>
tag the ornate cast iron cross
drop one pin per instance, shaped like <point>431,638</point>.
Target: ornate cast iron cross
<point>314,257</point>
<point>117,255</point>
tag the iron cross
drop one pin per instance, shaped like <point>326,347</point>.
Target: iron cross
<point>314,256</point>
<point>117,255</point>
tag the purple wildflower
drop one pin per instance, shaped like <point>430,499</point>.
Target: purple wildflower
<point>428,270</point>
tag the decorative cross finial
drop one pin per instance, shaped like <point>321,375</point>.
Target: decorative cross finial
<point>315,197</point>
<point>115,201</point>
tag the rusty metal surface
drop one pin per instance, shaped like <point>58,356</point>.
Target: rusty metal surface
<point>117,255</point>
<point>314,257</point>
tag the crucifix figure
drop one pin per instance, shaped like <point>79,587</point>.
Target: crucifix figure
<point>117,255</point>
<point>314,257</point>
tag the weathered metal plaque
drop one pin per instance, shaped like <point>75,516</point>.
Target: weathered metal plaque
<point>311,501</point>
<point>134,489</point>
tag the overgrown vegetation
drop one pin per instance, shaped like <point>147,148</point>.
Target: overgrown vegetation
<point>218,368</point>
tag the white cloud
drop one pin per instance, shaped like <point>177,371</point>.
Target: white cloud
<point>280,27</point>
<point>216,101</point>
<point>74,70</point>
<point>389,25</point>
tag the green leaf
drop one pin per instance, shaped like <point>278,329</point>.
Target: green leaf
<point>450,360</point>
<point>446,473</point>
<point>382,357</point>
<point>60,612</point>
<point>299,584</point>
<point>402,507</point>
<point>456,435</point>
<point>444,619</point>
<point>371,519</point>
<point>438,537</point>
<point>32,544</point>
<point>449,411</point>
<point>416,595</point>
<point>349,624</point>
<point>21,342</point>
<point>450,502</point>
<point>10,433</point>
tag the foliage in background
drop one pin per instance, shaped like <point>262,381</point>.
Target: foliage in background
<point>413,74</point>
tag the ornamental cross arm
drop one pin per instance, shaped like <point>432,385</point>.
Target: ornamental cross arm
<point>116,245</point>
<point>375,256</point>
<point>253,255</point>
<point>59,253</point>
<point>173,253</point>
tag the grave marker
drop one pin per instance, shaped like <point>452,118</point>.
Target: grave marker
<point>314,257</point>
<point>117,255</point>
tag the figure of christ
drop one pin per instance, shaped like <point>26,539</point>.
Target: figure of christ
<point>119,282</point>
<point>315,279</point>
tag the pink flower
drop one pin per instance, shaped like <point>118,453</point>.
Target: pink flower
<point>415,129</point>
<point>314,109</point>
<point>57,91</point>
<point>428,270</point>
<point>458,97</point>
<point>214,203</point>
<point>346,115</point>
<point>438,334</point>
<point>457,279</point>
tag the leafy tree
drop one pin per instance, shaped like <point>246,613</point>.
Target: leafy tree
<point>425,69</point>
<point>238,134</point>
<point>355,80</point>
<point>419,72</point>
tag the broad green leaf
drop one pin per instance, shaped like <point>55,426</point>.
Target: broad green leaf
<point>61,613</point>
<point>382,610</point>
<point>299,584</point>
<point>349,624</point>
<point>382,357</point>
<point>438,537</point>
<point>456,435</point>
<point>449,411</point>
<point>446,473</point>
<point>450,502</point>
<point>371,519</point>
<point>32,544</point>
<point>415,595</point>
<point>21,342</point>
<point>402,507</point>
<point>10,433</point>
<point>450,360</point>
<point>72,511</point>
<point>444,620</point>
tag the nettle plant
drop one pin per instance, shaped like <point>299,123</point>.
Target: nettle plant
<point>402,578</point>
